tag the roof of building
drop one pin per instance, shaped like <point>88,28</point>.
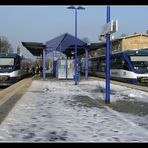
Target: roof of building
<point>137,34</point>
<point>99,44</point>
<point>96,45</point>
<point>129,36</point>
<point>63,43</point>
<point>34,47</point>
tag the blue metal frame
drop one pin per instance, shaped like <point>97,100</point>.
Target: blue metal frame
<point>76,60</point>
<point>107,97</point>
<point>66,68</point>
<point>75,64</point>
<point>44,64</point>
<point>86,63</point>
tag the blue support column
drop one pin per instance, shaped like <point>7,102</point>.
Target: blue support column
<point>66,68</point>
<point>53,70</point>
<point>78,69</point>
<point>107,97</point>
<point>75,64</point>
<point>44,64</point>
<point>86,63</point>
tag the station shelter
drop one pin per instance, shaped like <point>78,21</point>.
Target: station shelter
<point>64,43</point>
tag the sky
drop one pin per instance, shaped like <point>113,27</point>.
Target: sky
<point>43,23</point>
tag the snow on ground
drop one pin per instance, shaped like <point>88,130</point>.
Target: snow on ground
<point>49,112</point>
<point>117,92</point>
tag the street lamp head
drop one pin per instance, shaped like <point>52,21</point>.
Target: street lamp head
<point>80,7</point>
<point>71,7</point>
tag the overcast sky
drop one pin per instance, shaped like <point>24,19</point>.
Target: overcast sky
<point>42,23</point>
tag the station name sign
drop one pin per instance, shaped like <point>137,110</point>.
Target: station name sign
<point>110,27</point>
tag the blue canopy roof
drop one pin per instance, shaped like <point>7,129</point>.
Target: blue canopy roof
<point>63,43</point>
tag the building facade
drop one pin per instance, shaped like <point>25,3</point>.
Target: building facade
<point>132,42</point>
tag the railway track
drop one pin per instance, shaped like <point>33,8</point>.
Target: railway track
<point>143,87</point>
<point>142,84</point>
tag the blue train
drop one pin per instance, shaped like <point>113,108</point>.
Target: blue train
<point>13,68</point>
<point>128,66</point>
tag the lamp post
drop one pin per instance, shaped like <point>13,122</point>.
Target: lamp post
<point>107,97</point>
<point>75,60</point>
<point>44,63</point>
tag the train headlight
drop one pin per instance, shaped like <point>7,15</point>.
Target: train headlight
<point>4,78</point>
<point>135,67</point>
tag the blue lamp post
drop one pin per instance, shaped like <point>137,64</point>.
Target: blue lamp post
<point>44,63</point>
<point>107,97</point>
<point>75,62</point>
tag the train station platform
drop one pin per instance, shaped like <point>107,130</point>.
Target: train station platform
<point>59,111</point>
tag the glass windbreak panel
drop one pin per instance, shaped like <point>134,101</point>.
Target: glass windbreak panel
<point>6,64</point>
<point>140,63</point>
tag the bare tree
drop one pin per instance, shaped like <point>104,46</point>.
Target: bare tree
<point>5,46</point>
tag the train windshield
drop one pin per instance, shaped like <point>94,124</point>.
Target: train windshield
<point>140,63</point>
<point>6,64</point>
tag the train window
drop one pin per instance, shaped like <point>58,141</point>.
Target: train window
<point>140,66</point>
<point>140,63</point>
<point>124,65</point>
<point>118,63</point>
<point>17,66</point>
<point>89,63</point>
<point>102,65</point>
<point>6,61</point>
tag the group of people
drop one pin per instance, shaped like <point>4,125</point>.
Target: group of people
<point>37,70</point>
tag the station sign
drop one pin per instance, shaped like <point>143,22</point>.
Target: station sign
<point>108,28</point>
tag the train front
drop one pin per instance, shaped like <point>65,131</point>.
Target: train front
<point>139,62</point>
<point>8,69</point>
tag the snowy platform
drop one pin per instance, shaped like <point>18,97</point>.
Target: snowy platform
<point>59,111</point>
